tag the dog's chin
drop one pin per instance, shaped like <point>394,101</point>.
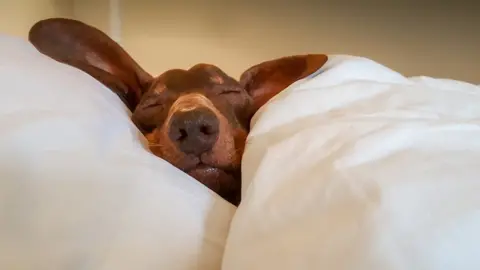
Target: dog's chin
<point>222,182</point>
<point>212,177</point>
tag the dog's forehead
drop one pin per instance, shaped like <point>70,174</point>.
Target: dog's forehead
<point>200,76</point>
<point>209,72</point>
<point>179,80</point>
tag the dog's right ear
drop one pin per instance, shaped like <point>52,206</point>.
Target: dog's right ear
<point>265,80</point>
<point>89,49</point>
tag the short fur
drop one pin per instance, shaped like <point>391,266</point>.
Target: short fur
<point>219,107</point>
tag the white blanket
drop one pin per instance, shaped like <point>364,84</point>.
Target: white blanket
<point>353,168</point>
<point>360,168</point>
<point>79,189</point>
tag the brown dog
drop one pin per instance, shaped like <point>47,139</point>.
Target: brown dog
<point>196,119</point>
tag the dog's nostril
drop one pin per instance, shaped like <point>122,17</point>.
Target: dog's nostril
<point>206,130</point>
<point>182,134</point>
<point>194,132</point>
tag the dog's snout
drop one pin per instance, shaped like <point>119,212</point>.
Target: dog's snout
<point>194,131</point>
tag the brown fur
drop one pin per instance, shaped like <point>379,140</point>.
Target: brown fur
<point>265,80</point>
<point>156,101</point>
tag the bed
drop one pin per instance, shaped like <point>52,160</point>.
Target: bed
<point>354,167</point>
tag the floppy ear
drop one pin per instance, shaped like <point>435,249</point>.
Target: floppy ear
<point>267,79</point>
<point>89,49</point>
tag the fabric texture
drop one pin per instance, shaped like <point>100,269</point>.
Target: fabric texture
<point>360,168</point>
<point>355,167</point>
<point>79,188</point>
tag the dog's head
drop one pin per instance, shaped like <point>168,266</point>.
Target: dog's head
<point>196,119</point>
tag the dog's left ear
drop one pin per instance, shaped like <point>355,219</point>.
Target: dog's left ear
<point>87,48</point>
<point>265,80</point>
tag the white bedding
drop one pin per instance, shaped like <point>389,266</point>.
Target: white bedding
<point>78,189</point>
<point>360,168</point>
<point>353,168</point>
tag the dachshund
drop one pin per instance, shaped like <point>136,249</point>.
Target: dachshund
<point>196,119</point>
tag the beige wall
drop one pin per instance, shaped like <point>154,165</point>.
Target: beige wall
<point>413,37</point>
<point>17,16</point>
<point>93,12</point>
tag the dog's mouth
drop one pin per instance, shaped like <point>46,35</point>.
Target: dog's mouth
<point>220,173</point>
<point>225,182</point>
<point>211,176</point>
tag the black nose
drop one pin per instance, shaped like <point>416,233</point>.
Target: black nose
<point>194,131</point>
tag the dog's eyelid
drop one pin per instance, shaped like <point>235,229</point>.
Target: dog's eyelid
<point>151,105</point>
<point>151,102</point>
<point>228,90</point>
<point>155,99</point>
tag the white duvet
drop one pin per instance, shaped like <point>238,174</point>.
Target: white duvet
<point>79,190</point>
<point>360,168</point>
<point>353,168</point>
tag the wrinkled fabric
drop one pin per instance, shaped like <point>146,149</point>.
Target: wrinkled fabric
<point>360,168</point>
<point>79,188</point>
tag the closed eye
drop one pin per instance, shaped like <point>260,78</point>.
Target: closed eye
<point>151,102</point>
<point>149,105</point>
<point>152,105</point>
<point>230,92</point>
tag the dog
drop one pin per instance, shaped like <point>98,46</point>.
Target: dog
<point>196,119</point>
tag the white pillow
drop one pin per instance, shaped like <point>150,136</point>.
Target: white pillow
<point>360,168</point>
<point>79,190</point>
